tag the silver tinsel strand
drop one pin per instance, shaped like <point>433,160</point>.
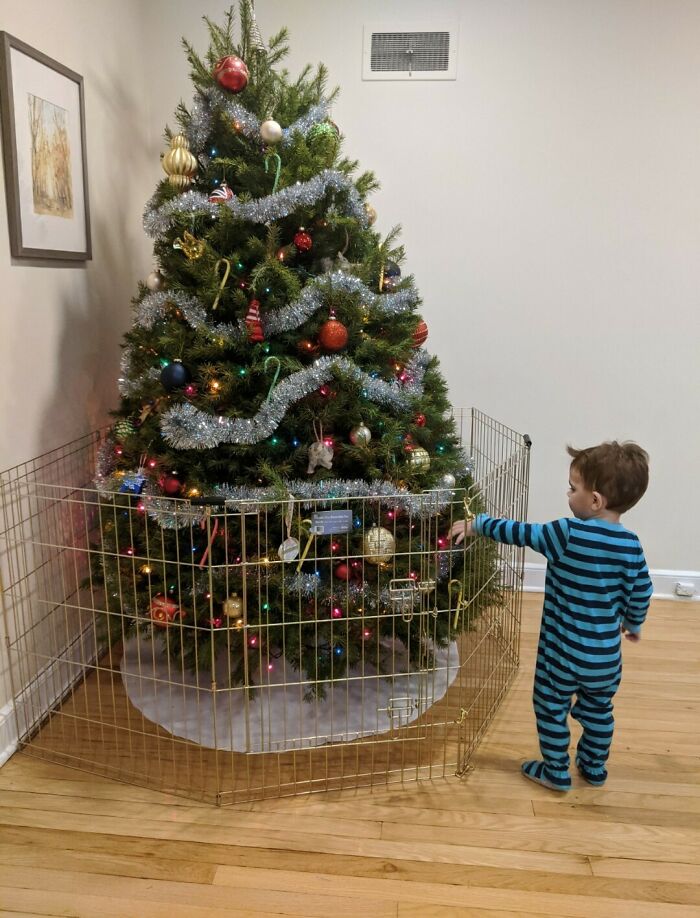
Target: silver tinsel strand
<point>126,385</point>
<point>186,427</point>
<point>313,298</point>
<point>205,105</point>
<point>263,210</point>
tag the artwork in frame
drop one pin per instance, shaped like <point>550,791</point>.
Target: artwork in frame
<point>43,134</point>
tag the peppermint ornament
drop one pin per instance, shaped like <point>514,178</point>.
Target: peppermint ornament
<point>221,194</point>
<point>253,323</point>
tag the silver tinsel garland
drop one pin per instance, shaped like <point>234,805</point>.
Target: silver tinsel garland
<point>157,220</point>
<point>128,386</point>
<point>313,298</point>
<point>207,104</point>
<point>186,427</point>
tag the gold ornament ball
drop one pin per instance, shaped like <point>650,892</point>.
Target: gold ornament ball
<point>371,213</point>
<point>271,131</point>
<point>179,164</point>
<point>233,606</point>
<point>378,545</point>
<point>419,458</point>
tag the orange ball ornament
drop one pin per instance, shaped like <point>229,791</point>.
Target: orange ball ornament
<point>420,335</point>
<point>333,335</point>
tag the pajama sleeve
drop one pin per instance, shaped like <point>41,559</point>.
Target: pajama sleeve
<point>549,539</point>
<point>638,603</point>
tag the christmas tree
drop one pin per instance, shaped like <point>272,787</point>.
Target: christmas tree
<point>274,376</point>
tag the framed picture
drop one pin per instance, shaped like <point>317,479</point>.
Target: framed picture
<point>43,134</point>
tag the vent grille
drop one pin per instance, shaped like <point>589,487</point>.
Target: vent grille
<point>410,52</point>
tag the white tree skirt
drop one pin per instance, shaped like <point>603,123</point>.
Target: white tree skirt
<point>274,717</point>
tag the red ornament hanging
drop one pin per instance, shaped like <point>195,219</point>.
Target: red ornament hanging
<point>420,335</point>
<point>333,335</point>
<point>253,323</point>
<point>171,485</point>
<point>163,611</point>
<point>343,571</point>
<point>231,73</point>
<point>303,241</point>
<point>420,420</point>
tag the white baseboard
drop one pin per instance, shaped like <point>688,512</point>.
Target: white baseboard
<point>46,690</point>
<point>8,732</point>
<point>664,582</point>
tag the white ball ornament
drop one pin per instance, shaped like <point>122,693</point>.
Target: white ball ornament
<point>155,281</point>
<point>271,131</point>
<point>360,435</point>
<point>448,480</point>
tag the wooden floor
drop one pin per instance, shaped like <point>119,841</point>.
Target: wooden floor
<point>491,843</point>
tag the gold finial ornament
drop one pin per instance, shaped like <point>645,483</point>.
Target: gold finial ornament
<point>178,163</point>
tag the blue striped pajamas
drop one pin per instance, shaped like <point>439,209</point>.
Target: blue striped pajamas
<point>597,580</point>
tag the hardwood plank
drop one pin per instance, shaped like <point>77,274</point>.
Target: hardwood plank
<point>626,868</point>
<point>148,891</point>
<point>451,892</point>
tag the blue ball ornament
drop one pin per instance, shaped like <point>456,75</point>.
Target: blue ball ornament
<point>174,376</point>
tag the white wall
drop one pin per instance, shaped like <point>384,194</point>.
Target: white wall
<point>60,327</point>
<point>549,199</point>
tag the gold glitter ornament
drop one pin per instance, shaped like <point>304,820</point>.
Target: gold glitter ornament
<point>192,247</point>
<point>378,545</point>
<point>419,458</point>
<point>178,163</point>
<point>233,608</point>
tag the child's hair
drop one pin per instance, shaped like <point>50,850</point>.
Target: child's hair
<point>618,471</point>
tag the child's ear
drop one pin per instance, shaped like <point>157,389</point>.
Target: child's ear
<point>599,501</point>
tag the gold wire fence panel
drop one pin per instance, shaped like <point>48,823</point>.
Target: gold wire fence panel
<point>259,699</point>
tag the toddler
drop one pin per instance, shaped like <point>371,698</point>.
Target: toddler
<point>597,587</point>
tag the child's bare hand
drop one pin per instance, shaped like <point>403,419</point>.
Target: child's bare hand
<point>461,529</point>
<point>631,635</point>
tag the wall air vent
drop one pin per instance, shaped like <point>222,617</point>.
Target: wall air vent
<point>418,52</point>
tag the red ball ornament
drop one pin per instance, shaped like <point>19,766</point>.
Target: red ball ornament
<point>420,335</point>
<point>420,420</point>
<point>343,571</point>
<point>231,73</point>
<point>333,335</point>
<point>303,241</point>
<point>171,485</point>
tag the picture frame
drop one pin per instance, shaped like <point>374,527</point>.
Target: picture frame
<point>44,152</point>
